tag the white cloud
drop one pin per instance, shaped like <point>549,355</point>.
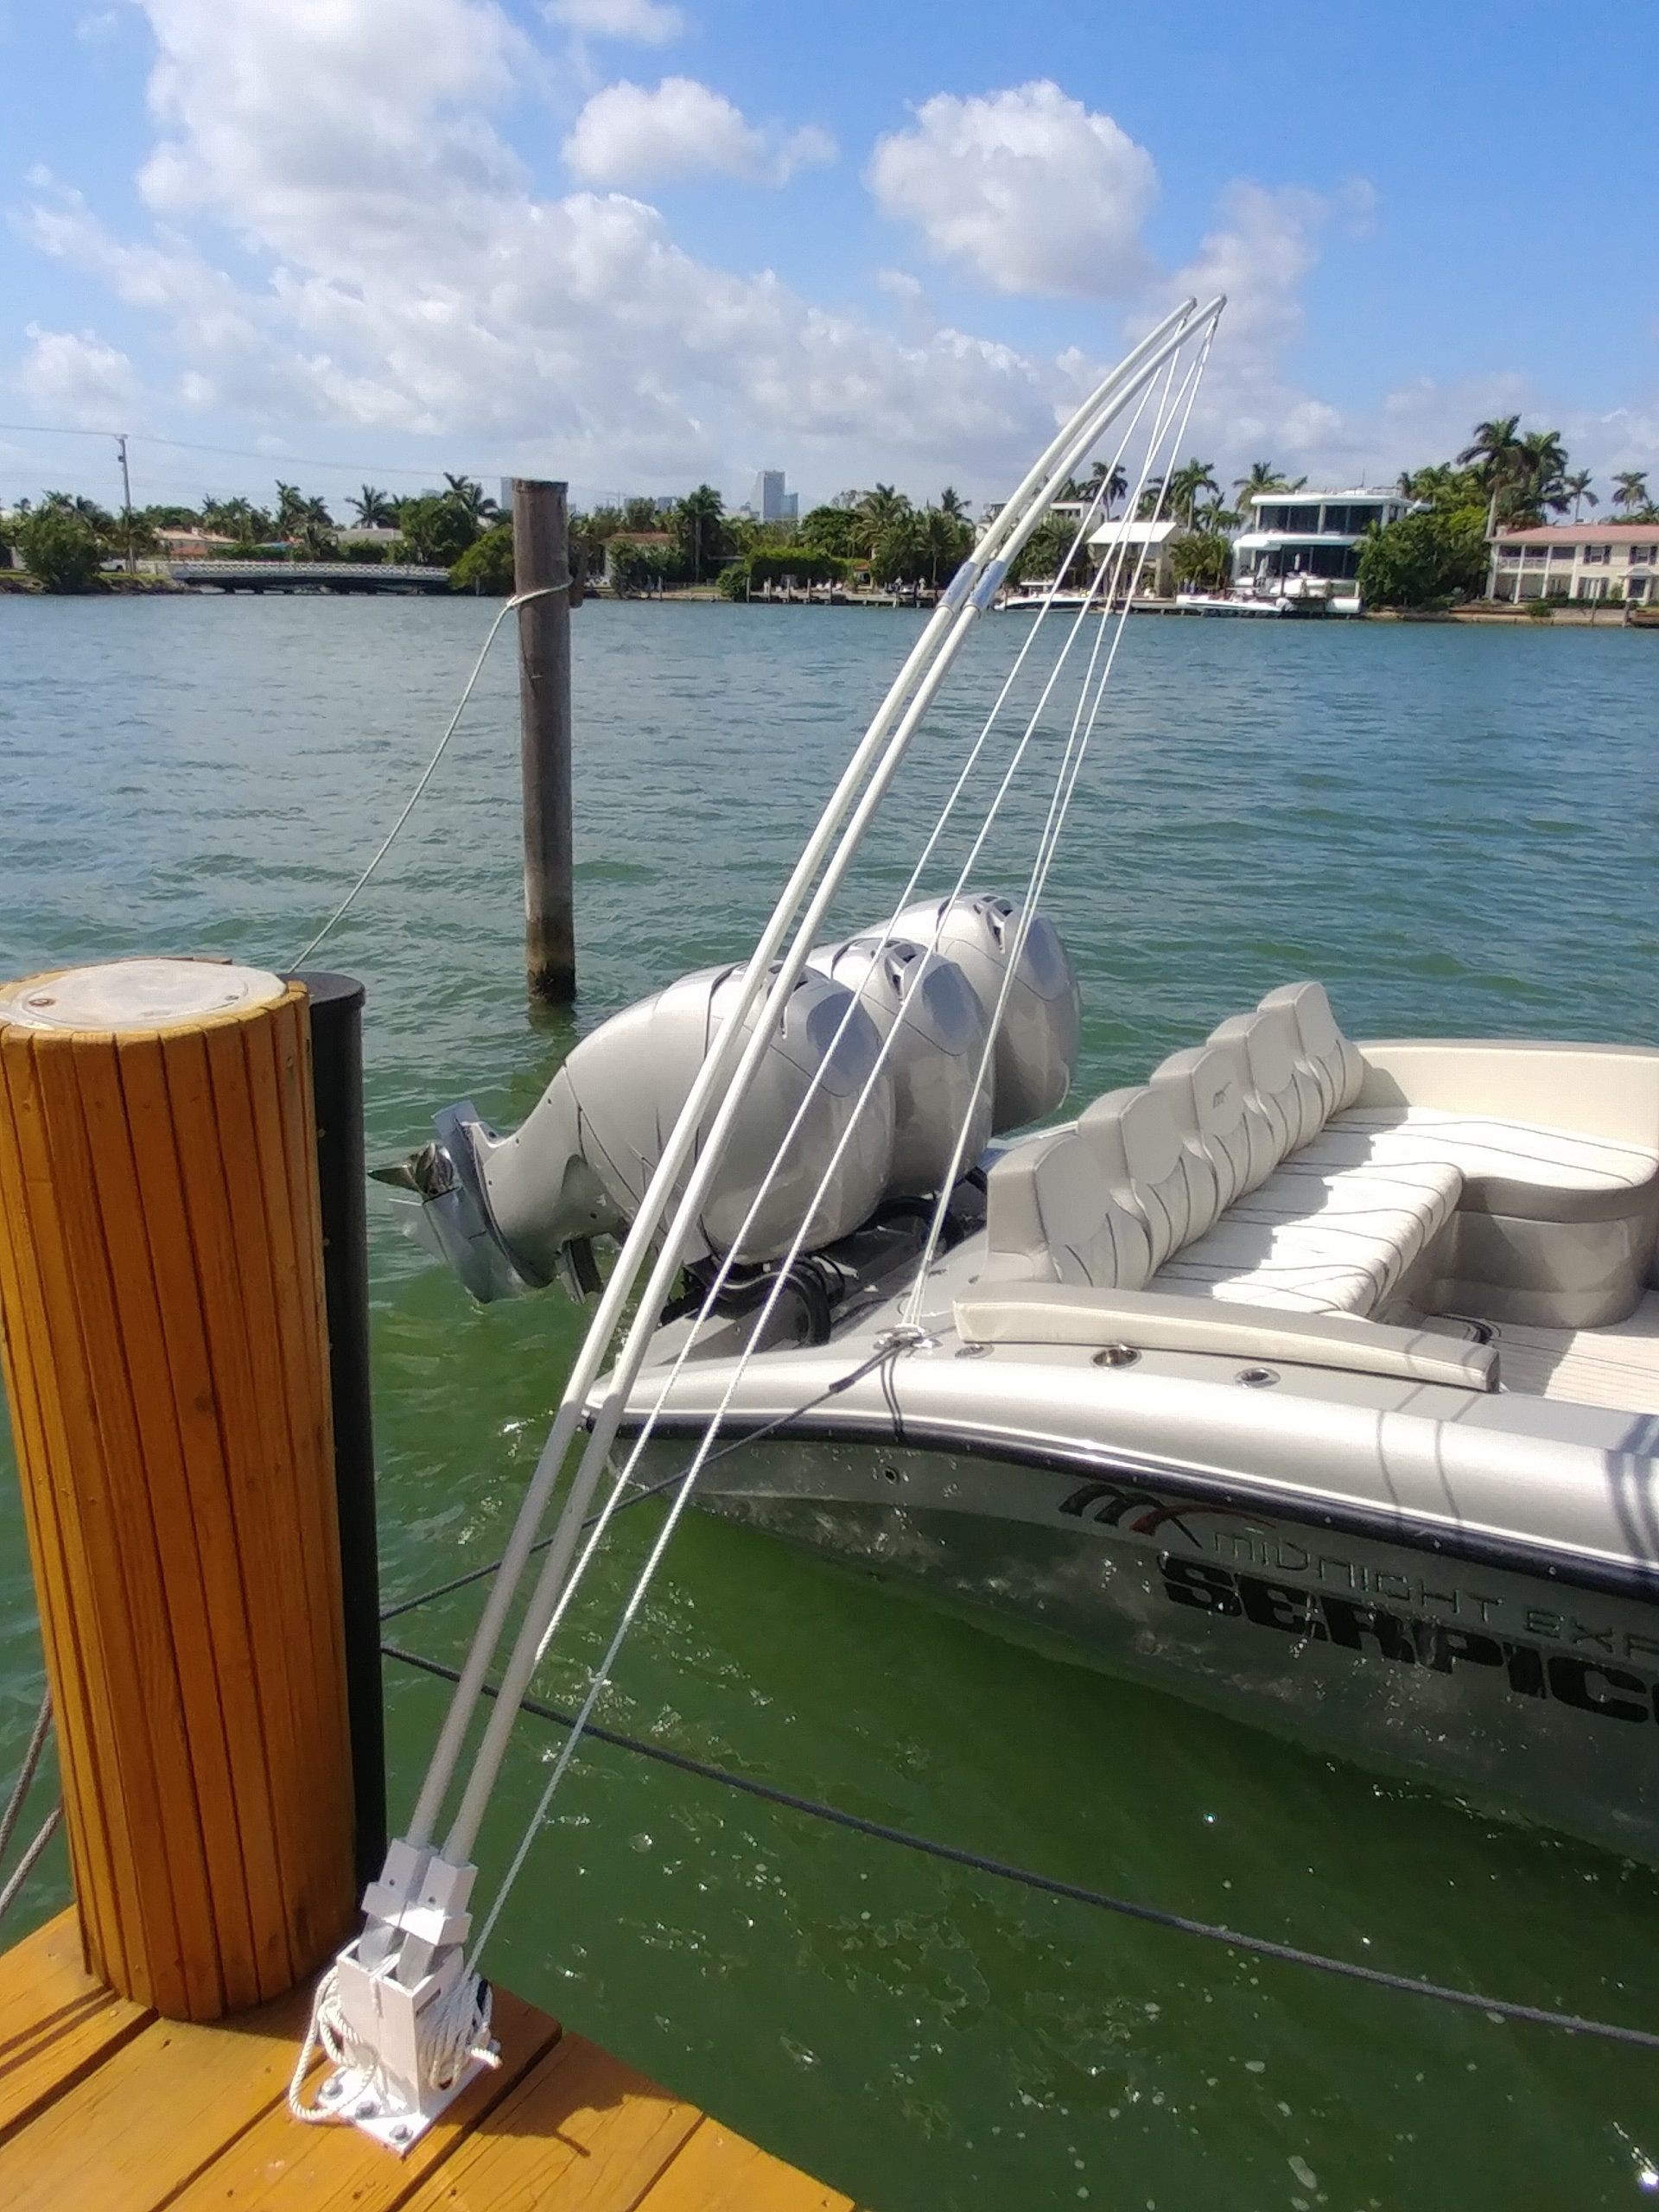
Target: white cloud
<point>73,378</point>
<point>1025,189</point>
<point>644,22</point>
<point>283,115</point>
<point>413,282</point>
<point>627,135</point>
<point>398,271</point>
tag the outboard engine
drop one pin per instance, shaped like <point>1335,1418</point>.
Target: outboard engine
<point>1037,1042</point>
<point>935,1059</point>
<point>509,1211</point>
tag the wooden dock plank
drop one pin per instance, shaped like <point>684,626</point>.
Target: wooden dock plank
<point>154,2114</point>
<point>104,2105</point>
<point>581,2133</point>
<point>279,2165</point>
<point>56,2021</point>
<point>718,2171</point>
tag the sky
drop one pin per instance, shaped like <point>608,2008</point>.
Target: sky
<point>640,243</point>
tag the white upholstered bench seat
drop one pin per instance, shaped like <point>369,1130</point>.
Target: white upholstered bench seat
<point>1246,1170</point>
<point>1321,1242</point>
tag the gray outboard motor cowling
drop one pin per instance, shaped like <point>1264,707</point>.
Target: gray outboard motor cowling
<point>1042,1018</point>
<point>581,1160</point>
<point>935,1059</point>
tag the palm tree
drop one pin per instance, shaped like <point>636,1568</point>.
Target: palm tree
<point>1542,467</point>
<point>1499,456</point>
<point>700,525</point>
<point>948,537</point>
<point>315,537</point>
<point>952,503</point>
<point>373,508</point>
<point>1630,488</point>
<point>1577,488</point>
<point>878,510</point>
<point>1189,479</point>
<point>1152,492</point>
<point>469,495</point>
<point>1263,478</point>
<point>1108,484</point>
<point>291,506</point>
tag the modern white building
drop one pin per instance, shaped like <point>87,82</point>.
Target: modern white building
<point>1139,553</point>
<point>1583,560</point>
<point>771,502</point>
<point>1308,534</point>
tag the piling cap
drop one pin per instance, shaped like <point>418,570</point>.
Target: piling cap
<point>123,996</point>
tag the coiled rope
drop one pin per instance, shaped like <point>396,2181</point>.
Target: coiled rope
<point>454,2032</point>
<point>1152,1916</point>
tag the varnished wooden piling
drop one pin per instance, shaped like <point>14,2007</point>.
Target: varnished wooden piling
<point>540,555</point>
<point>167,1365</point>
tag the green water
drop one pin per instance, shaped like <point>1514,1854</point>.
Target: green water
<point>1456,829</point>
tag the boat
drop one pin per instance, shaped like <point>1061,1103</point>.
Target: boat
<point>1226,603</point>
<point>1315,1380</point>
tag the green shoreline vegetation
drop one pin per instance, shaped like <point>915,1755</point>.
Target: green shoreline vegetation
<point>1434,559</point>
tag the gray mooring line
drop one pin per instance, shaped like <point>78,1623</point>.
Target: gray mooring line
<point>1261,1946</point>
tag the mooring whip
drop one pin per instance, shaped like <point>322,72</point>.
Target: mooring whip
<point>392,1989</point>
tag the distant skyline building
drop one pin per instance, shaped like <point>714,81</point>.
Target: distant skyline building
<point>771,502</point>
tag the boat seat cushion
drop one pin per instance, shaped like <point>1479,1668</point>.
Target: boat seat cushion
<point>1051,1216</point>
<point>1168,1185</point>
<point>1516,1169</point>
<point>1211,1099</point>
<point>1283,1090</point>
<point>1321,1242</point>
<point>1329,1060</point>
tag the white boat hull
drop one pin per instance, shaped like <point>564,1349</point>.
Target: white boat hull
<point>1532,1692</point>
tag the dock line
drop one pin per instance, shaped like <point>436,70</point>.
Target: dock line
<point>1260,1947</point>
<point>519,599</point>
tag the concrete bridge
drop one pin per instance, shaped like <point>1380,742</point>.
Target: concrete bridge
<point>306,576</point>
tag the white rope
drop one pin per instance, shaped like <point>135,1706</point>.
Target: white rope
<point>690,1154</point>
<point>13,1814</point>
<point>851,1013</point>
<point>1048,843</point>
<point>601,1676</point>
<point>455,2033</point>
<point>25,1866</point>
<point>20,1788</point>
<point>520,599</point>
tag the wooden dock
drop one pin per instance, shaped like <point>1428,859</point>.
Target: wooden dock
<point>104,2106</point>
<point>308,575</point>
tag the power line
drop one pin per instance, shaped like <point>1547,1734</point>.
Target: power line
<point>235,452</point>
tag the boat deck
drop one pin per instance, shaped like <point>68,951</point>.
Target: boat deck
<point>1616,1366</point>
<point>106,2106</point>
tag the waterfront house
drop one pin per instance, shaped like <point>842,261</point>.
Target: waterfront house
<point>1142,546</point>
<point>1314,534</point>
<point>1584,561</point>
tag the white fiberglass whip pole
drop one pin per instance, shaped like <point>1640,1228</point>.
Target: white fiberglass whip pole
<point>1079,437</point>
<point>999,544</point>
<point>1070,766</point>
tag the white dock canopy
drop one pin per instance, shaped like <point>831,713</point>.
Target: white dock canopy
<point>1111,535</point>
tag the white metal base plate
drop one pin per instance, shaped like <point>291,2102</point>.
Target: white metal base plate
<point>349,2096</point>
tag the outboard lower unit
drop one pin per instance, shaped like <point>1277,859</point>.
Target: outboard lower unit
<point>512,1212</point>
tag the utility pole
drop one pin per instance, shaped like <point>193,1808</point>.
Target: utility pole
<point>126,495</point>
<point>541,558</point>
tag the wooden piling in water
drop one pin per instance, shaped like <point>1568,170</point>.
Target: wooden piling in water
<point>167,1365</point>
<point>541,558</point>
